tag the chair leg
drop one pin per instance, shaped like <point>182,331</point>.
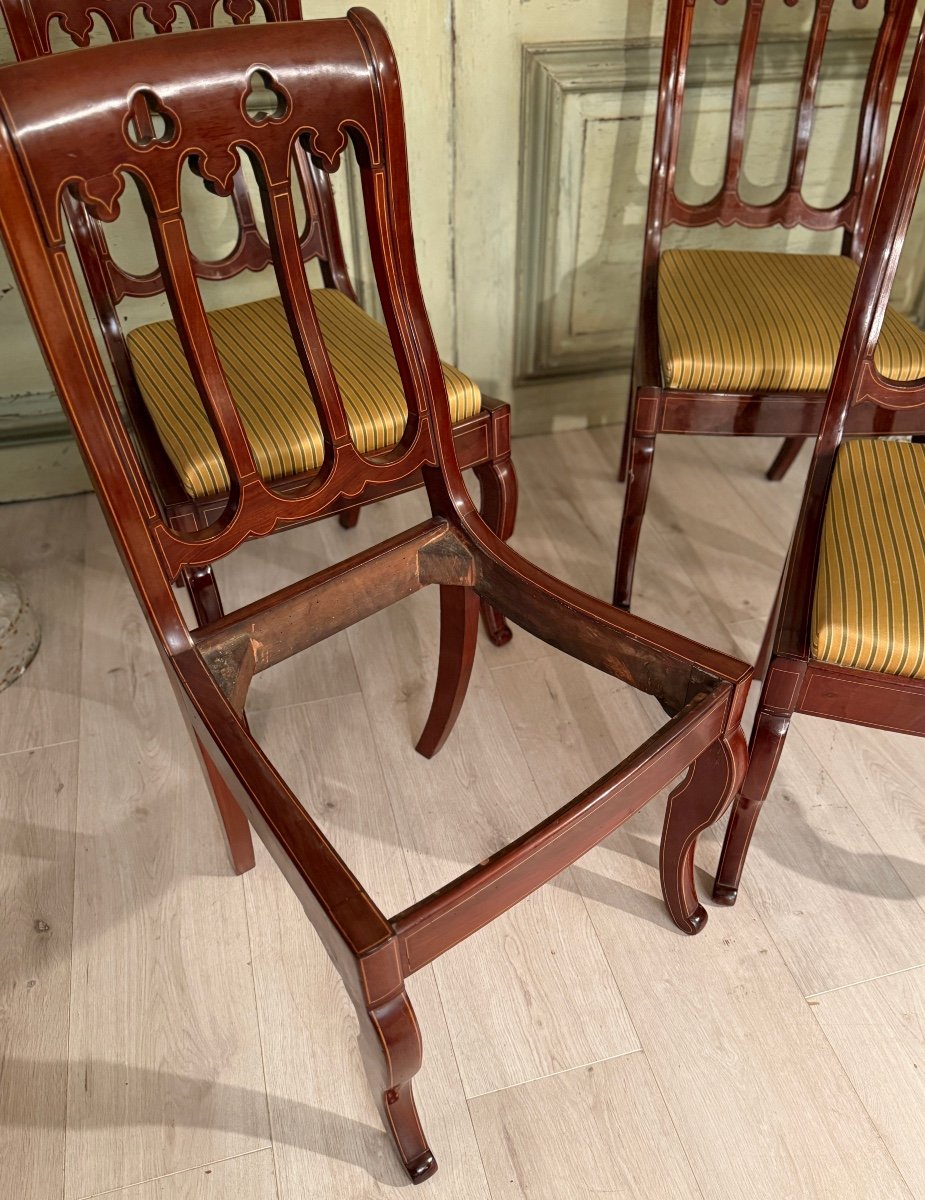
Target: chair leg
<point>699,800</point>
<point>237,829</point>
<point>785,459</point>
<point>459,625</point>
<point>349,517</point>
<point>634,507</point>
<point>204,594</point>
<point>627,431</point>
<point>498,487</point>
<point>763,661</point>
<point>767,742</point>
<point>391,1040</point>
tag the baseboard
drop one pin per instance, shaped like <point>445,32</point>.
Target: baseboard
<point>573,402</point>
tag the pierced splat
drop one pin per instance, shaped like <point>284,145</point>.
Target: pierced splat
<point>790,208</point>
<point>482,440</point>
<point>29,23</point>
<point>265,99</point>
<point>148,122</point>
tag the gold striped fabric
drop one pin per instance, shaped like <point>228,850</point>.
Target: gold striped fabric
<point>869,607</point>
<point>269,387</point>
<point>744,321</point>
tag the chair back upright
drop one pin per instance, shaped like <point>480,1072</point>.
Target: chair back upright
<point>30,24</point>
<point>855,379</point>
<point>334,82</point>
<point>790,208</point>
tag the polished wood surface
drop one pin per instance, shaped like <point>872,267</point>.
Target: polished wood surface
<point>483,441</point>
<point>793,680</point>
<point>655,409</point>
<point>337,82</point>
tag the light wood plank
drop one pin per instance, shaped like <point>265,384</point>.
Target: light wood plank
<point>585,1134</point>
<point>759,1099</point>
<point>327,1129</point>
<point>881,775</point>
<point>761,1104</point>
<point>250,1177</point>
<point>747,1047</point>
<point>568,522</point>
<point>817,875</point>
<point>877,1029</point>
<point>831,899</point>
<point>165,1069</point>
<point>37,795</point>
<point>43,545</point>
<point>696,520</point>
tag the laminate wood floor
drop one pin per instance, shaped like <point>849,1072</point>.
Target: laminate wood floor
<point>171,1032</point>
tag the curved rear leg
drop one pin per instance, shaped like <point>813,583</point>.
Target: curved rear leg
<point>459,625</point>
<point>700,799</point>
<point>641,454</point>
<point>203,593</point>
<point>498,487</point>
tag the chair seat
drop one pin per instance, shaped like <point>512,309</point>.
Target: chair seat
<point>745,321</point>
<point>869,607</point>
<point>269,387</point>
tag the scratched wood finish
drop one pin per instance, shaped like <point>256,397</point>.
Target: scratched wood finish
<point>482,441</point>
<point>336,87</point>
<point>752,414</point>
<point>793,681</point>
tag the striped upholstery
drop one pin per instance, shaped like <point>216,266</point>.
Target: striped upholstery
<point>869,608</point>
<point>742,321</point>
<point>269,387</point>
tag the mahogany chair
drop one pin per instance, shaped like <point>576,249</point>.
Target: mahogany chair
<point>733,342</point>
<point>848,642</point>
<point>335,82</point>
<point>178,448</point>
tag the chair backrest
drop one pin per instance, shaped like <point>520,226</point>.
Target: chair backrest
<point>790,208</point>
<point>334,81</point>
<point>30,24</point>
<point>856,380</point>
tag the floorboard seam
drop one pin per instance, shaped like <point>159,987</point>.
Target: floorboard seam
<point>215,1162</point>
<point>554,1074</point>
<point>861,982</point>
<point>42,746</point>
